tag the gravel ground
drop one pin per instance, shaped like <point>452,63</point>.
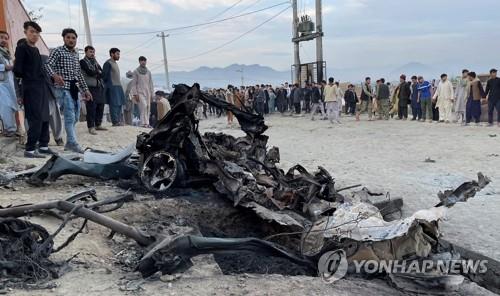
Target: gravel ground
<point>382,155</point>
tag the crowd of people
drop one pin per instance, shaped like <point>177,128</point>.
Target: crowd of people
<point>436,101</point>
<point>51,90</point>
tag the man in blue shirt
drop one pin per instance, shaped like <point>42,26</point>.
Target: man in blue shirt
<point>424,97</point>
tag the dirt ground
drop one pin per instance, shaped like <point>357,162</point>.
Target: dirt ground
<point>381,155</point>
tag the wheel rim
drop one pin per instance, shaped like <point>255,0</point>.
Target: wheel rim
<point>159,171</point>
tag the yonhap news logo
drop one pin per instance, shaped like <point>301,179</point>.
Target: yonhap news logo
<point>333,266</point>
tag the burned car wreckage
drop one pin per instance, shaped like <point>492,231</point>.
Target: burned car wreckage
<point>314,215</point>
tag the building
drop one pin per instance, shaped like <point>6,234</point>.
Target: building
<point>13,14</point>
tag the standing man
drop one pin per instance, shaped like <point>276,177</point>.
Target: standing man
<point>288,92</point>
<point>142,90</point>
<point>424,97</point>
<point>316,101</point>
<point>163,106</point>
<point>476,93</point>
<point>331,100</point>
<point>272,99</point>
<point>416,108</point>
<point>260,100</point>
<point>322,101</point>
<point>367,98</point>
<point>64,68</point>
<point>297,97</point>
<point>55,118</point>
<point>435,110</point>
<point>444,96</point>
<point>307,97</point>
<point>281,100</point>
<point>351,99</point>
<point>230,100</point>
<point>92,72</point>
<point>268,98</point>
<point>340,97</point>
<point>383,99</point>
<point>115,96</point>
<point>8,98</point>
<point>404,97</point>
<point>493,93</point>
<point>461,96</point>
<point>28,66</point>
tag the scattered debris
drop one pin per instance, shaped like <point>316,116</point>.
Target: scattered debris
<point>99,165</point>
<point>463,192</point>
<point>24,251</point>
<point>305,213</point>
<point>429,160</point>
<point>427,284</point>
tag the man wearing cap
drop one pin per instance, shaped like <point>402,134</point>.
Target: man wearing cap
<point>142,90</point>
<point>383,97</point>
<point>444,97</point>
<point>493,93</point>
<point>476,94</point>
<point>367,98</point>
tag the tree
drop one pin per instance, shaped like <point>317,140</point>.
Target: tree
<point>36,15</point>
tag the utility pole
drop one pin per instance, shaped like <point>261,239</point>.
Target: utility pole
<point>86,22</point>
<point>242,71</point>
<point>319,39</point>
<point>165,61</point>
<point>296,53</point>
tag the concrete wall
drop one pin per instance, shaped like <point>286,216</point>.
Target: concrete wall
<point>12,17</point>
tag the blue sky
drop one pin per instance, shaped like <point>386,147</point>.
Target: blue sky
<point>364,36</point>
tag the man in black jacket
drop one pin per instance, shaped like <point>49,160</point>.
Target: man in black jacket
<point>92,72</point>
<point>28,67</point>
<point>298,96</point>
<point>351,99</point>
<point>404,97</point>
<point>307,97</point>
<point>493,93</point>
<point>317,102</point>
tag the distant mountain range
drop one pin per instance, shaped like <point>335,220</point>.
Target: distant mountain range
<point>221,77</point>
<point>413,69</point>
<point>258,74</point>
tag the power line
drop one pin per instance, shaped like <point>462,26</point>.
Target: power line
<point>225,10</point>
<point>146,44</point>
<point>189,26</point>
<point>250,6</point>
<point>210,19</point>
<point>207,26</point>
<point>233,40</point>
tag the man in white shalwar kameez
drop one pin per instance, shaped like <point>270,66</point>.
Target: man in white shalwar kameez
<point>461,94</point>
<point>142,90</point>
<point>445,97</point>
